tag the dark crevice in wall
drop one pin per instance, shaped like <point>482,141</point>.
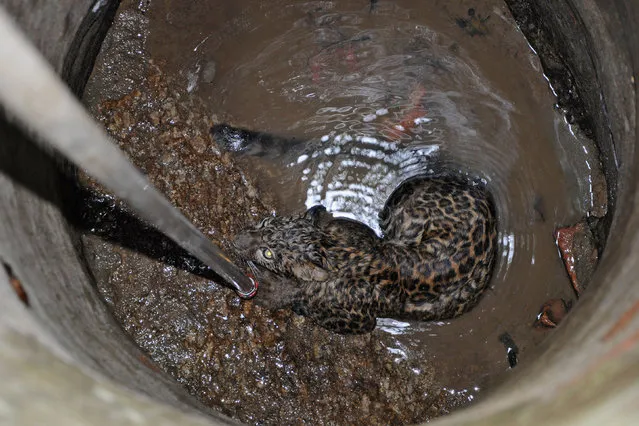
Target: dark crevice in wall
<point>86,45</point>
<point>556,68</point>
<point>562,43</point>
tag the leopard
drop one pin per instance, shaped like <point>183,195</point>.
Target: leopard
<point>432,261</point>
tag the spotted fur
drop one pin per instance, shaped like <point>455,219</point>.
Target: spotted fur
<point>433,262</point>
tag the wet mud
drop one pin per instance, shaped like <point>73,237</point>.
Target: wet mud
<point>460,85</point>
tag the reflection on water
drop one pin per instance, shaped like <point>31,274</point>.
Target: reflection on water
<point>353,176</point>
<point>378,96</point>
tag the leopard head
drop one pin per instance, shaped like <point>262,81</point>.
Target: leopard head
<point>287,246</point>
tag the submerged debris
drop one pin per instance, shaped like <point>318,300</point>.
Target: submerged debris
<point>511,348</point>
<point>579,252</point>
<point>552,313</point>
<point>474,24</point>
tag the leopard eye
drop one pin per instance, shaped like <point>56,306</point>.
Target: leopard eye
<point>267,253</point>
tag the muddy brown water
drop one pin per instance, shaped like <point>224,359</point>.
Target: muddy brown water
<point>372,94</point>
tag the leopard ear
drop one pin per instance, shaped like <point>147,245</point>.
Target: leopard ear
<point>315,213</point>
<point>308,271</point>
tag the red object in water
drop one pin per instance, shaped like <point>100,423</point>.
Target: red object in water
<point>565,238</point>
<point>408,122</point>
<point>351,59</point>
<point>552,313</point>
